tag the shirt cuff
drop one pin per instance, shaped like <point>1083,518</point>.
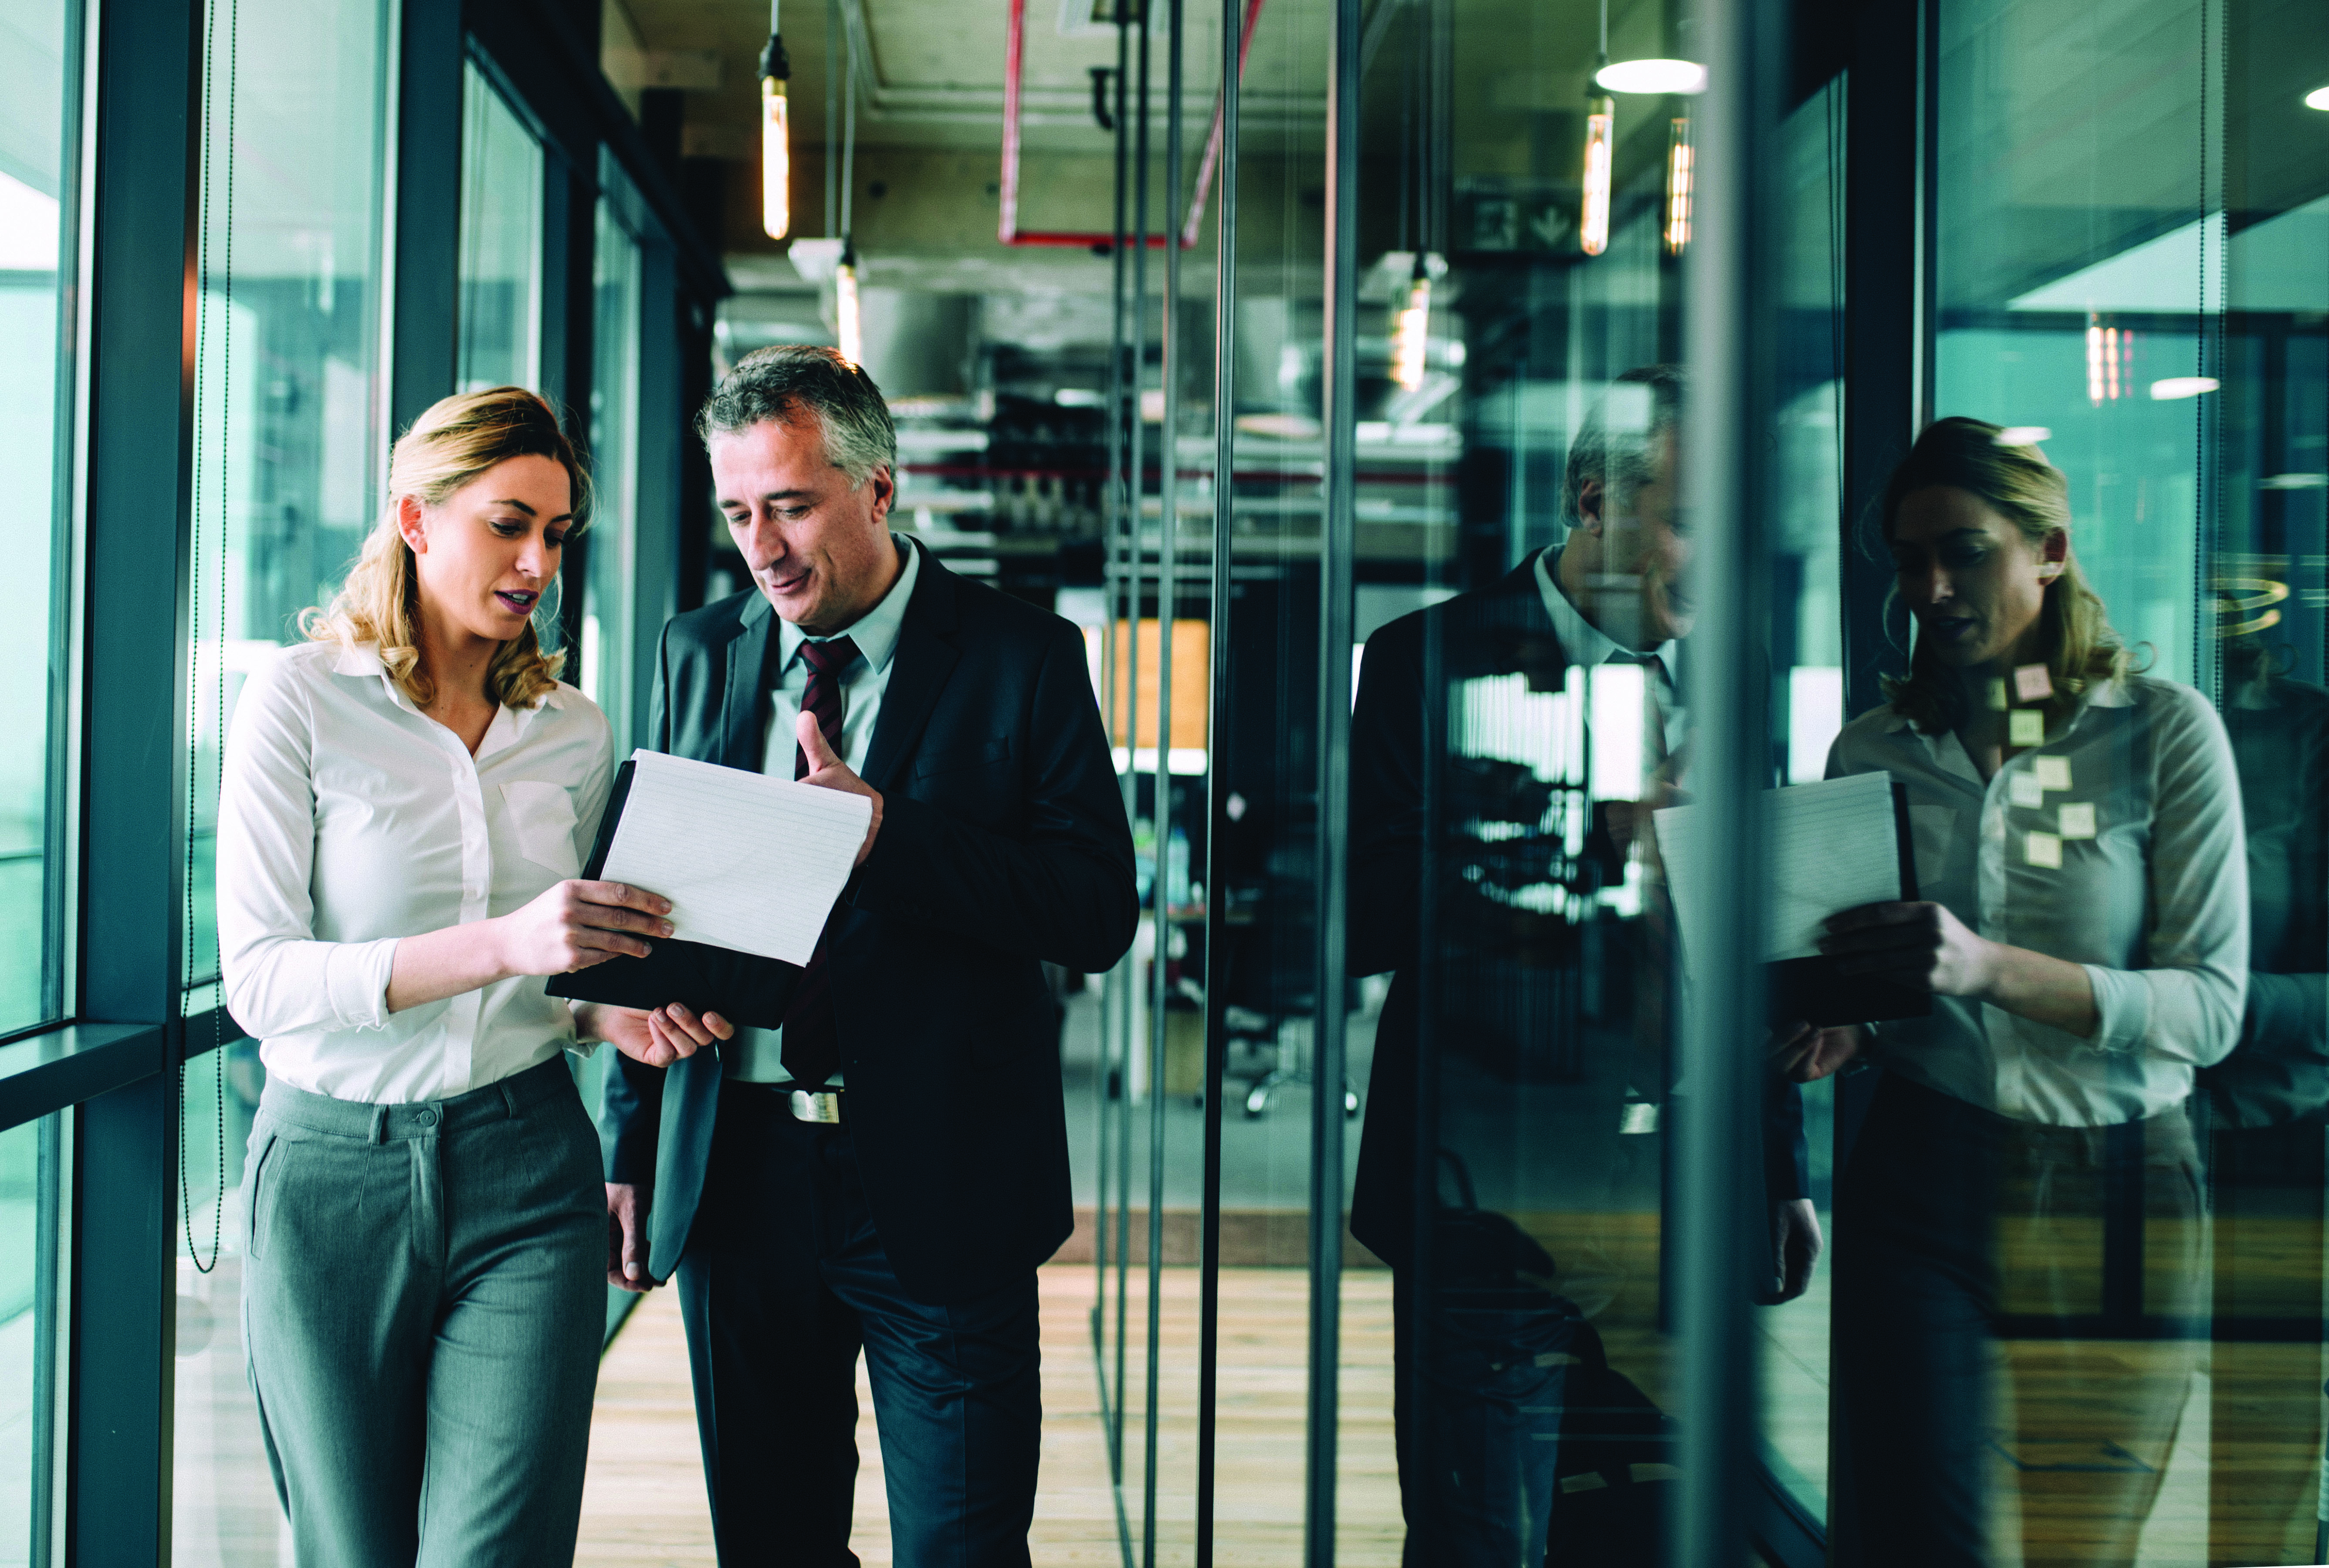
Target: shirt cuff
<point>2122,1007</point>
<point>355,977</point>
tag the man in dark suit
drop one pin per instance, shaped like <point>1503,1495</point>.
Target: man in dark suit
<point>886,1170</point>
<point>1500,867</point>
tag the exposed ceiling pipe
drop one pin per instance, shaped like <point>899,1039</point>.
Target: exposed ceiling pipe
<point>1008,230</point>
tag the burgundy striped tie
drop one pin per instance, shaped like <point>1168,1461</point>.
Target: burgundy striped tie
<point>812,1042</point>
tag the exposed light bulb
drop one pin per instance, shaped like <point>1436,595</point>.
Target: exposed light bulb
<point>1414,334</point>
<point>776,142</point>
<point>847,325</point>
<point>1679,175</point>
<point>1652,76</point>
<point>1600,132</point>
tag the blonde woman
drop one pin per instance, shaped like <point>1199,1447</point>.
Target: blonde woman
<point>2005,1373</point>
<point>408,799</point>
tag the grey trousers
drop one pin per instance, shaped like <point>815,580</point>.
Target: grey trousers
<point>423,1304</point>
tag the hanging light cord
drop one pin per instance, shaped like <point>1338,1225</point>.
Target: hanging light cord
<point>194,596</point>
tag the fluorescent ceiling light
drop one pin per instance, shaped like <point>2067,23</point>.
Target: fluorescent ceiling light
<point>2175,387</point>
<point>1681,76</point>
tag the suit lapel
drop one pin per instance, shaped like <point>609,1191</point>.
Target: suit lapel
<point>919,671</point>
<point>743,711</point>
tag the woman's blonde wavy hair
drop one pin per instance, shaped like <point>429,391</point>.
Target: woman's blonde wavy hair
<point>454,442</point>
<point>2020,486</point>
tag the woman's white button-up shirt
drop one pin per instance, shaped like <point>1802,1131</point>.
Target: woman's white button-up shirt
<point>349,820</point>
<point>2117,845</point>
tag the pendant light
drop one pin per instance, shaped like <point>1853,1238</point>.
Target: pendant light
<point>776,142</point>
<point>1412,339</point>
<point>1600,133</point>
<point>847,326</point>
<point>1680,174</point>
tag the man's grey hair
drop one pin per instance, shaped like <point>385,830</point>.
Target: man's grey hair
<point>790,383</point>
<point>1618,442</point>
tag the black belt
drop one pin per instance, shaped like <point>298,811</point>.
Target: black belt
<point>812,1105</point>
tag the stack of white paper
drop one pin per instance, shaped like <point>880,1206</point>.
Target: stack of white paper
<point>749,863</point>
<point>1827,847</point>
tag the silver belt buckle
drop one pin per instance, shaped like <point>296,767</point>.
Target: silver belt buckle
<point>818,1106</point>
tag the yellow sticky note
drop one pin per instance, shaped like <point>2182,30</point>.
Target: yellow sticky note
<point>2025,727</point>
<point>2024,789</point>
<point>2044,849</point>
<point>2032,684</point>
<point>2077,819</point>
<point>2054,772</point>
<point>1997,701</point>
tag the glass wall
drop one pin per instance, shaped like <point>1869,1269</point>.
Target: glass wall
<point>501,241</point>
<point>290,427</point>
<point>608,604</point>
<point>38,152</point>
<point>2130,282</point>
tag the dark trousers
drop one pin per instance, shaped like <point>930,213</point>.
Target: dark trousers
<point>783,1282</point>
<point>1982,1391</point>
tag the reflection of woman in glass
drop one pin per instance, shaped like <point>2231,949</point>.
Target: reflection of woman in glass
<point>406,801</point>
<point>2020,1226</point>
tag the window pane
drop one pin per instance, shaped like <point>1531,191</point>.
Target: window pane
<point>289,416</point>
<point>35,55</point>
<point>290,425</point>
<point>608,631</point>
<point>501,242</point>
<point>32,1159</point>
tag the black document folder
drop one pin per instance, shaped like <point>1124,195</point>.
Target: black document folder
<point>1814,991</point>
<point>743,988</point>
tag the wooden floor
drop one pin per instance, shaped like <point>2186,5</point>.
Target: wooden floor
<point>644,1504</point>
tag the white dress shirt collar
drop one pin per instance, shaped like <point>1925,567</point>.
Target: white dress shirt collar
<point>509,724</point>
<point>1580,639</point>
<point>875,632</point>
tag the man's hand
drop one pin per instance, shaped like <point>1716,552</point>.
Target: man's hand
<point>626,1241</point>
<point>1807,1055</point>
<point>1919,944</point>
<point>1795,1244</point>
<point>654,1039</point>
<point>828,772</point>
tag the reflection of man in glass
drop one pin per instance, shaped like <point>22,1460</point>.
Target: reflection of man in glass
<point>1503,746</point>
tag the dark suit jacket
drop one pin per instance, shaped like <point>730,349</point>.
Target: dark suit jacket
<point>1003,844</point>
<point>1508,977</point>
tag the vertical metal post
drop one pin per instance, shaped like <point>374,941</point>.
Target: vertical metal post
<point>139,496</point>
<point>1727,481</point>
<point>1168,529</point>
<point>1136,484</point>
<point>1209,1244</point>
<point>424,330</point>
<point>1337,544</point>
<point>1103,1106</point>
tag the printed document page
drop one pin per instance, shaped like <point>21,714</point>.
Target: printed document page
<point>750,862</point>
<point>1828,847</point>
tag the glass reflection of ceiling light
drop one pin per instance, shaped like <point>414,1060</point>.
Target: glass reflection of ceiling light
<point>2175,387</point>
<point>2318,98</point>
<point>847,326</point>
<point>1652,76</point>
<point>1678,184</point>
<point>1600,133</point>
<point>1413,336</point>
<point>775,146</point>
<point>2024,434</point>
<point>1600,130</point>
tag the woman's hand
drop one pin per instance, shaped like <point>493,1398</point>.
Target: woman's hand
<point>1924,947</point>
<point>1807,1055</point>
<point>576,925</point>
<point>654,1039</point>
<point>1920,945</point>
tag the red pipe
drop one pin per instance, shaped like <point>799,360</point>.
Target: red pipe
<point>1013,59</point>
